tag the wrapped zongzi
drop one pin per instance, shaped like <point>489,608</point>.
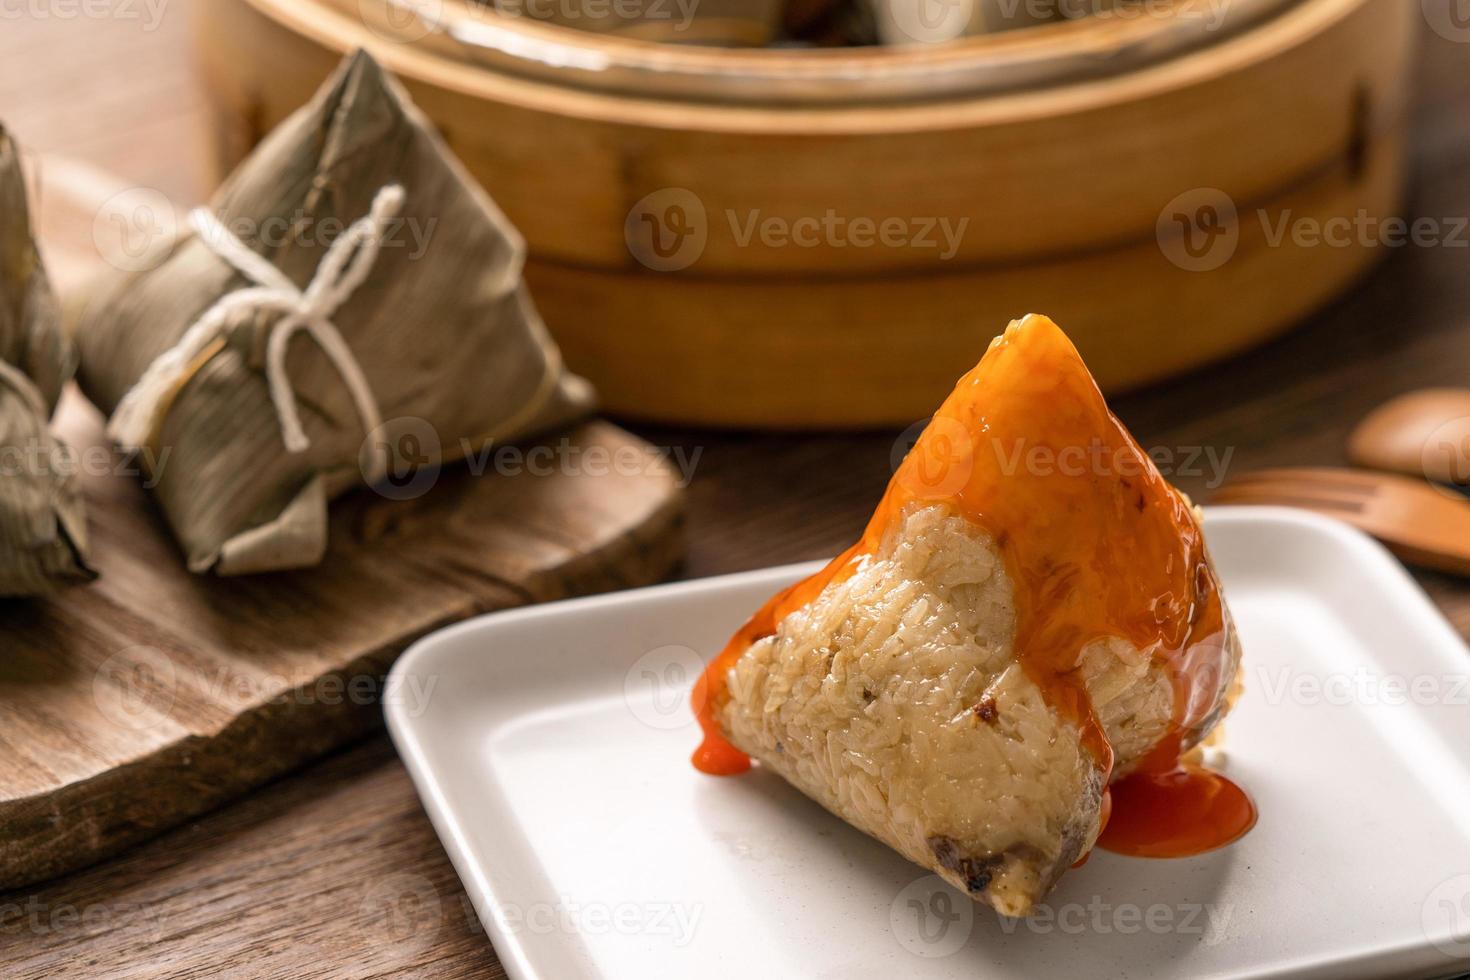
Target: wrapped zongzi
<point>354,225</point>
<point>43,526</point>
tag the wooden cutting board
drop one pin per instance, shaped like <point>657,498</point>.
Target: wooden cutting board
<point>152,695</point>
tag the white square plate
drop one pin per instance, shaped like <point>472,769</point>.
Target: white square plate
<point>550,746</point>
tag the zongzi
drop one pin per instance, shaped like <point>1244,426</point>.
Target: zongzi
<point>354,227</point>
<point>43,525</point>
<point>1030,628</point>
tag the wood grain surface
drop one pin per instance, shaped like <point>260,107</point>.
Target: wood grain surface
<point>334,873</point>
<point>153,694</point>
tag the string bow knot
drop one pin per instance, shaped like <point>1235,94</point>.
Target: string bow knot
<point>343,269</point>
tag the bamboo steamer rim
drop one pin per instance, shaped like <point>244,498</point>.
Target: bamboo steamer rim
<point>1119,38</point>
<point>838,337</point>
<point>336,31</point>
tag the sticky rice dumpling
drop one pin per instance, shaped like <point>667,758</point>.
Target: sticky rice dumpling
<point>43,526</point>
<point>1029,634</point>
<point>349,292</point>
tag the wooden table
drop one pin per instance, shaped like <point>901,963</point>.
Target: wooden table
<point>335,872</point>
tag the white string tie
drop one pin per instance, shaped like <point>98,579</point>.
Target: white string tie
<point>342,270</point>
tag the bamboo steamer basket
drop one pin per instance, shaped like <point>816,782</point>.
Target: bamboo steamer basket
<point>1103,167</point>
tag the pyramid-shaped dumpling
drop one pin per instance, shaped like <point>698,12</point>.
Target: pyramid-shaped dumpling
<point>439,327</point>
<point>43,520</point>
<point>1030,616</point>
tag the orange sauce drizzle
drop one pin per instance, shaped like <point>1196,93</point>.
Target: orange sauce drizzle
<point>1097,543</point>
<point>1179,812</point>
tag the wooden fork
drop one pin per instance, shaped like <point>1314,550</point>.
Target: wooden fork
<point>1422,525</point>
